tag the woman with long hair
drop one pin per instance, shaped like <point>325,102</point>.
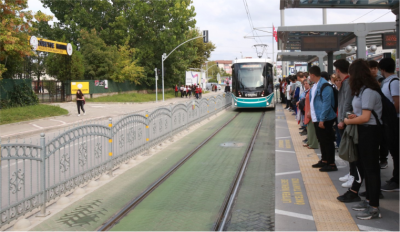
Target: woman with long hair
<point>365,89</point>
<point>80,101</point>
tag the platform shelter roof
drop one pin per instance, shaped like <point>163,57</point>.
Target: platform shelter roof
<point>360,4</point>
<point>289,37</point>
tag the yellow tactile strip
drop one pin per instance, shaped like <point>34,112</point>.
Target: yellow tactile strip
<point>329,214</point>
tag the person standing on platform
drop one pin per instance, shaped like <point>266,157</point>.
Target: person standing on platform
<point>345,99</point>
<point>366,102</point>
<point>312,141</point>
<point>390,88</point>
<point>323,117</point>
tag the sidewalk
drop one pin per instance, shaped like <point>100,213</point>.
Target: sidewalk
<point>311,204</point>
<point>94,112</point>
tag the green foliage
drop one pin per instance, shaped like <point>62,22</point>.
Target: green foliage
<point>125,65</point>
<point>21,95</point>
<point>214,70</point>
<point>15,28</point>
<point>98,57</point>
<point>133,97</point>
<point>64,67</point>
<point>18,114</point>
<point>212,81</point>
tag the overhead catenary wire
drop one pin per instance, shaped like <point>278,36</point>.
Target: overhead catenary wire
<point>246,7</point>
<point>362,15</point>
<point>381,16</point>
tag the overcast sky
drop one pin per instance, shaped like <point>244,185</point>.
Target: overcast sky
<point>227,22</point>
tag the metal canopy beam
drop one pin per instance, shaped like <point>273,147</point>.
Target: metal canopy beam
<point>358,4</point>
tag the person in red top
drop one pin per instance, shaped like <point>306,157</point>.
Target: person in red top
<point>200,92</point>
<point>197,92</point>
<point>176,90</point>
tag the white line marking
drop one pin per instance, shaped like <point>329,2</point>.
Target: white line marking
<point>368,228</point>
<point>283,137</point>
<point>285,151</point>
<point>286,173</point>
<point>296,215</point>
<point>58,121</point>
<point>36,126</point>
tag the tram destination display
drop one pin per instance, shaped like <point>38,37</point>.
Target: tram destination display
<point>320,43</point>
<point>389,41</point>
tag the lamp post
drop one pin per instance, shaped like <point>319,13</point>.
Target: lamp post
<point>165,56</point>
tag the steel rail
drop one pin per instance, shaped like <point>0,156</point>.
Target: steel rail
<point>130,206</point>
<point>220,224</point>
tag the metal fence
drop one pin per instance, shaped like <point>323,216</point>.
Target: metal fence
<point>33,175</point>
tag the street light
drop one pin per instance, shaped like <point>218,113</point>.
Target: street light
<point>165,56</point>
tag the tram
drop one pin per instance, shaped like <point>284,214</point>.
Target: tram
<point>252,83</point>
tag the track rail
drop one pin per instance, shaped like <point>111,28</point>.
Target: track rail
<point>227,205</point>
<point>127,208</point>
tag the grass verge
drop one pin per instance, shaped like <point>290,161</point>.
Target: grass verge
<point>133,97</point>
<point>19,114</point>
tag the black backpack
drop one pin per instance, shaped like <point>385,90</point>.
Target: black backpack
<point>389,116</point>
<point>335,95</point>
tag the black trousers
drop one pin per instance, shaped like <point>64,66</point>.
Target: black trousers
<point>394,151</point>
<point>79,104</point>
<point>368,167</point>
<point>326,138</point>
<point>353,166</point>
<point>181,93</point>
<point>176,93</point>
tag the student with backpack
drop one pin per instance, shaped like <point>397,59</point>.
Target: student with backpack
<point>366,103</point>
<point>323,115</point>
<point>390,89</point>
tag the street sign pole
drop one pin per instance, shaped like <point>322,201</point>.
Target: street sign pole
<point>163,57</point>
<point>155,71</point>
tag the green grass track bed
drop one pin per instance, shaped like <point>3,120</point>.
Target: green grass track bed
<point>133,97</point>
<point>191,198</point>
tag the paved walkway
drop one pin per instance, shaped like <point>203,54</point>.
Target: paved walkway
<point>94,112</point>
<point>306,198</point>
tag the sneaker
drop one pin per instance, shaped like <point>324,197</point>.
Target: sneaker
<point>305,141</point>
<point>383,165</point>
<point>390,187</point>
<point>294,114</point>
<point>348,183</point>
<point>361,206</point>
<point>304,132</point>
<point>302,128</point>
<point>369,213</point>
<point>349,196</point>
<point>320,164</point>
<point>79,115</point>
<point>345,178</point>
<point>84,113</point>
<point>364,194</point>
<point>328,168</point>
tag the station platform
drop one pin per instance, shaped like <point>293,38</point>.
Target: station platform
<point>306,198</point>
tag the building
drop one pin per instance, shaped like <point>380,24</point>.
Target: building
<point>225,64</point>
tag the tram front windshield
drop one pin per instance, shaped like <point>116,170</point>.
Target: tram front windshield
<point>250,76</point>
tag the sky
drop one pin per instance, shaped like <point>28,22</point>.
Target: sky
<point>227,22</point>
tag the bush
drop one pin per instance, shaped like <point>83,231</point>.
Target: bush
<point>21,95</point>
<point>212,81</point>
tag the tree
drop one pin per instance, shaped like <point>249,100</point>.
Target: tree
<point>98,57</point>
<point>213,70</point>
<point>63,67</point>
<point>15,27</point>
<point>203,50</point>
<point>126,68</point>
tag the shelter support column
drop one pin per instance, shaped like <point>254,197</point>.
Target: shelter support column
<point>321,62</point>
<point>308,66</point>
<point>361,47</point>
<point>330,62</point>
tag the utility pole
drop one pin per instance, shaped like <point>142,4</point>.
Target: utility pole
<point>155,71</point>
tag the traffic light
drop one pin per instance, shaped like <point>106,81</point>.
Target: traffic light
<point>205,36</point>
<point>217,64</point>
<point>158,72</point>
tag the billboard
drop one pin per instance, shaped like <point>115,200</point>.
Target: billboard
<point>83,86</point>
<point>192,77</point>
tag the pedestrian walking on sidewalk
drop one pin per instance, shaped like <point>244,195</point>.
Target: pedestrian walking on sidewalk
<point>80,101</point>
<point>176,90</point>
